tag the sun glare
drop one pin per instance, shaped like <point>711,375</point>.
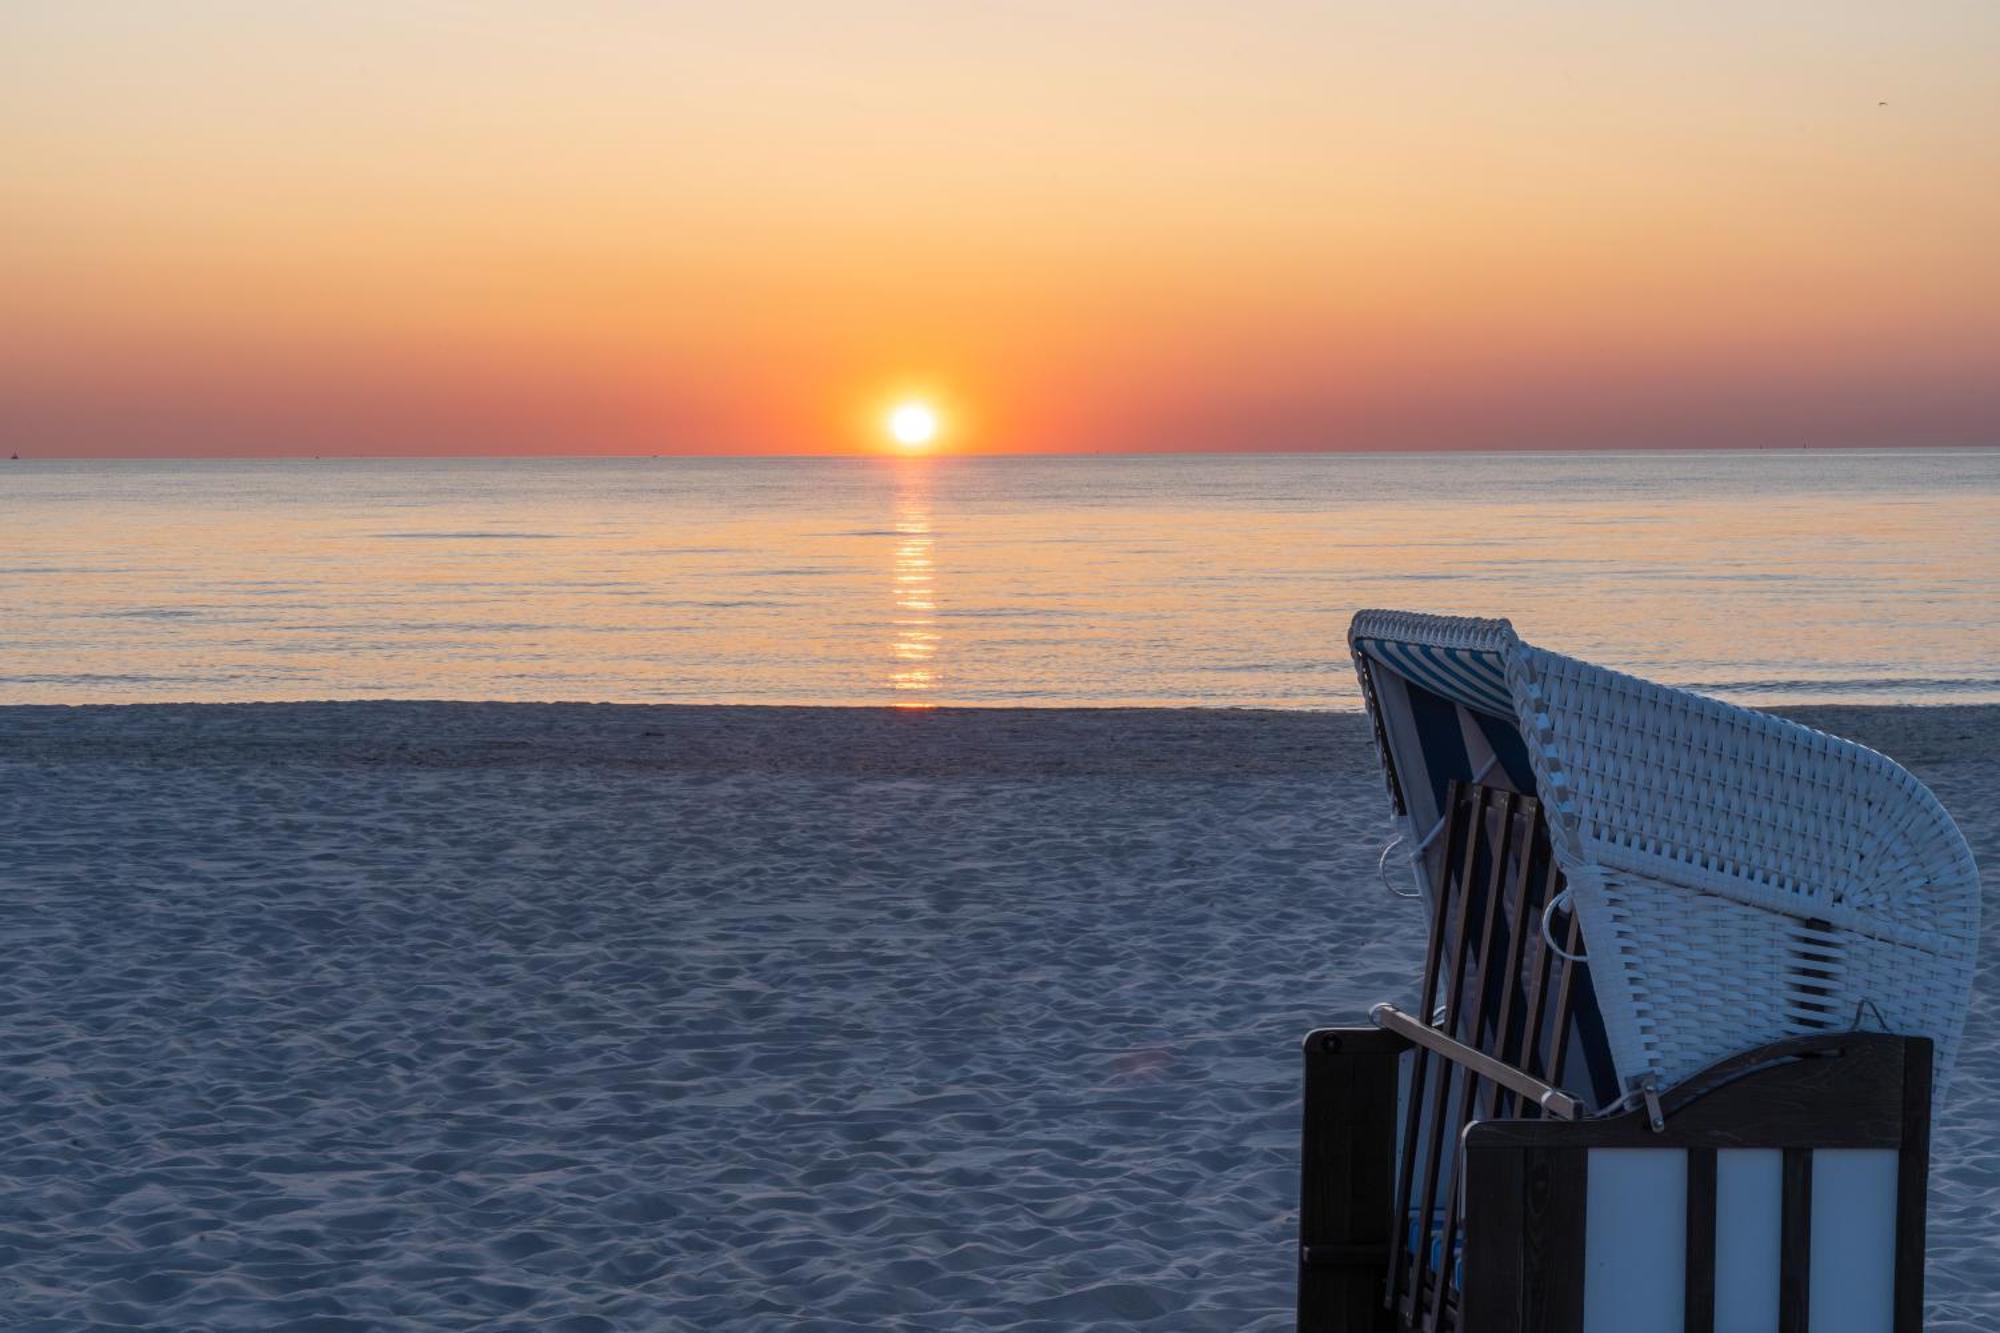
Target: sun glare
<point>913,425</point>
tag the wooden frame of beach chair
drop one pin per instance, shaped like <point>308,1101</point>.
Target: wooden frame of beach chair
<point>1451,1182</point>
<point>1788,1180</point>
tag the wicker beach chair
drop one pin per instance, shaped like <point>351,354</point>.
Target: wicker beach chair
<point>1695,976</point>
<point>1738,878</point>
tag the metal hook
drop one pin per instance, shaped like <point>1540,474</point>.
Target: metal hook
<point>1864,1007</point>
<point>1548,937</point>
<point>1382,870</point>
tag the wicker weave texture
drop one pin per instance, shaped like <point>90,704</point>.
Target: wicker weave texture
<point>1739,878</point>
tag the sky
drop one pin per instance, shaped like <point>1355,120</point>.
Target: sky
<point>607,227</point>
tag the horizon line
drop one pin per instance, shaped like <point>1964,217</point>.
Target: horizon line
<point>947,455</point>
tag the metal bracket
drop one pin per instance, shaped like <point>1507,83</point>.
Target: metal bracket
<point>1649,1093</point>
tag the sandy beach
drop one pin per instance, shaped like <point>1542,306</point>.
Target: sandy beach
<point>430,1015</point>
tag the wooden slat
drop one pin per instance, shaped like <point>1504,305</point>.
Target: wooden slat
<point>1564,1002</point>
<point>1495,1198</point>
<point>1345,1179</point>
<point>1445,1076</point>
<point>1475,1014</point>
<point>1443,1080</point>
<point>1913,1164</point>
<point>1556,1191</point>
<point>1516,906</point>
<point>1795,1244</point>
<point>1700,1288</point>
<point>1422,1063</point>
<point>1471,1030</point>
<point>1547,882</point>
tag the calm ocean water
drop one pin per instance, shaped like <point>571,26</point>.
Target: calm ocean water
<point>1761,577</point>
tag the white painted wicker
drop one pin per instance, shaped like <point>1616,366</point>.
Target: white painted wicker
<point>1739,878</point>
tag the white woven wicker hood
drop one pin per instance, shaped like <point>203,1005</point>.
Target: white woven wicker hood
<point>1739,878</point>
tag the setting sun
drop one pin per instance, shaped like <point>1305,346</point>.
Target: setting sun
<point>913,425</point>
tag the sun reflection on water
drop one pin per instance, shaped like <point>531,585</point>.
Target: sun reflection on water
<point>914,642</point>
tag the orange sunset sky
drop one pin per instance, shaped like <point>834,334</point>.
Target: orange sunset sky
<point>749,227</point>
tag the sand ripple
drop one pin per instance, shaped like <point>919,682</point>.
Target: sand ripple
<point>393,1025</point>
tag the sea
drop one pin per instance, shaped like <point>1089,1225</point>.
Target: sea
<point>1762,577</point>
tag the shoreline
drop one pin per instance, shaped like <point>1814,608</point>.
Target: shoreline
<point>834,740</point>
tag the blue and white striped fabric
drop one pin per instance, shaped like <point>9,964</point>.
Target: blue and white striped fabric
<point>1445,713</point>
<point>1465,676</point>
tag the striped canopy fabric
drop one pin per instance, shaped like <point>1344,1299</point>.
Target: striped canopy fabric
<point>1443,710</point>
<point>1739,879</point>
<point>1471,677</point>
